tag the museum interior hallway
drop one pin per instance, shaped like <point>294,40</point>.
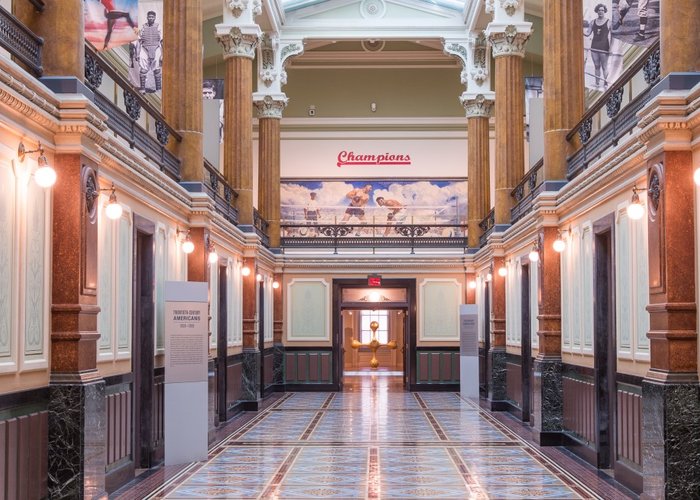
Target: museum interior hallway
<point>375,440</point>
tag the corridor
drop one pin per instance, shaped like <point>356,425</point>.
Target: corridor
<point>376,441</point>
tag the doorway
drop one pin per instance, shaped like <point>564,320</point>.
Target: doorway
<point>148,444</point>
<point>525,342</point>
<point>393,306</point>
<point>605,348</point>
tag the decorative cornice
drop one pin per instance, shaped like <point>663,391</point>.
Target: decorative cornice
<point>270,106</point>
<point>490,6</point>
<point>479,70</point>
<point>289,49</point>
<point>479,106</point>
<point>237,7</point>
<point>509,42</point>
<point>461,52</point>
<point>510,6</point>
<point>238,42</point>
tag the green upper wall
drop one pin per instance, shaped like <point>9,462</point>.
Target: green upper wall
<point>397,92</point>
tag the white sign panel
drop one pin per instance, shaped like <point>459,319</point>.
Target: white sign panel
<point>363,158</point>
<point>469,351</point>
<point>186,358</point>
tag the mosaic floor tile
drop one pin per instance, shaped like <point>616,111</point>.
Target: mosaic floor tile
<point>375,444</point>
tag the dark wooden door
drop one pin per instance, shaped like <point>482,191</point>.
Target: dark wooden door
<point>526,344</point>
<point>221,345</point>
<point>605,354</point>
<point>146,417</point>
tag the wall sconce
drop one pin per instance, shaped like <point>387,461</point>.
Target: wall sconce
<point>534,254</point>
<point>113,210</point>
<point>696,176</point>
<point>245,271</point>
<point>188,244</point>
<point>259,278</point>
<point>489,275</point>
<point>503,271</point>
<point>44,175</point>
<point>559,244</point>
<point>374,296</point>
<point>275,284</point>
<point>472,284</point>
<point>213,256</point>
<point>635,210</point>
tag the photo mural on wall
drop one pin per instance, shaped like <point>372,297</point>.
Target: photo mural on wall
<point>389,203</point>
<point>111,23</point>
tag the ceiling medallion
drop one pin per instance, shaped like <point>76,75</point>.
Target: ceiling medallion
<point>372,8</point>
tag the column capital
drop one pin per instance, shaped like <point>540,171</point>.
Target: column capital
<point>238,8</point>
<point>270,105</point>
<point>508,39</point>
<point>238,41</point>
<point>477,105</point>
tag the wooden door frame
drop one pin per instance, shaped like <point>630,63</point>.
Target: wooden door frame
<point>604,339</point>
<point>410,335</point>
<point>142,364</point>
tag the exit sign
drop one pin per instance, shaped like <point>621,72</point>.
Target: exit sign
<point>374,280</point>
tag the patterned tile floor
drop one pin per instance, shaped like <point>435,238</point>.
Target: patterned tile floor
<point>374,443</point>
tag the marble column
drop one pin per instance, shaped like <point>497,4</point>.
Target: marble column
<point>670,396</point>
<point>680,50</point>
<point>563,76</point>
<point>182,82</point>
<point>251,351</point>
<point>547,405</point>
<point>239,44</point>
<point>470,294</point>
<point>198,260</point>
<point>508,48</point>
<point>76,390</point>
<point>269,115</point>
<point>278,312</point>
<point>497,351</point>
<point>60,24</point>
<point>478,111</point>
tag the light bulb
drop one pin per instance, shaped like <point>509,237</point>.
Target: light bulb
<point>472,284</point>
<point>258,277</point>
<point>213,257</point>
<point>113,210</point>
<point>374,297</point>
<point>559,245</point>
<point>502,271</point>
<point>188,246</point>
<point>245,271</point>
<point>635,210</point>
<point>45,176</point>
<point>275,284</point>
<point>696,176</point>
<point>534,255</point>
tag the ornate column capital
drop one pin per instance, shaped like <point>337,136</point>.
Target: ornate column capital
<point>273,55</point>
<point>270,105</point>
<point>508,40</point>
<point>238,41</point>
<point>238,7</point>
<point>459,48</point>
<point>478,105</point>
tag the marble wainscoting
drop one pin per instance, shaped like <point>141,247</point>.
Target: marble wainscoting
<point>497,378</point>
<point>77,446</point>
<point>251,379</point>
<point>548,402</point>
<point>671,440</point>
<point>278,365</point>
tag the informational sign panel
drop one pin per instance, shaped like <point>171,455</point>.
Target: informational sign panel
<point>469,351</point>
<point>186,358</point>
